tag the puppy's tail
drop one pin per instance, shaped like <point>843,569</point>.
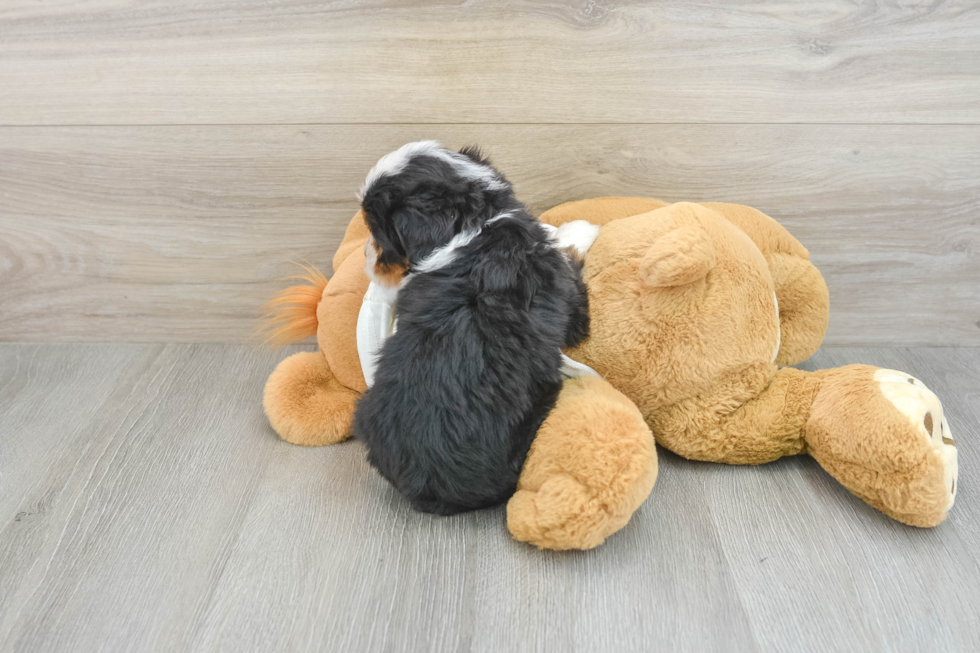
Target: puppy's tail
<point>290,316</point>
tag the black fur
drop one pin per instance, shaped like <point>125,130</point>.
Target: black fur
<point>473,368</point>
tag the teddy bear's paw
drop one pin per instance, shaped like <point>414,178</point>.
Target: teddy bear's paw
<point>883,435</point>
<point>562,514</point>
<point>305,403</point>
<point>592,463</point>
<point>922,408</point>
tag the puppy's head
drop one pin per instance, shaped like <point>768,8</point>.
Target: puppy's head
<point>418,197</point>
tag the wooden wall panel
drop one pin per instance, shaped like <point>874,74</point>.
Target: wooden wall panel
<point>178,233</point>
<point>488,61</point>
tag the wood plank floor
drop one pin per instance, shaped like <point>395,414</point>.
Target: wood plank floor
<point>145,505</point>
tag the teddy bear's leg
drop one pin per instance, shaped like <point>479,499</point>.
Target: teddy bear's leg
<point>755,416</point>
<point>883,435</point>
<point>803,302</point>
<point>592,463</point>
<point>305,403</point>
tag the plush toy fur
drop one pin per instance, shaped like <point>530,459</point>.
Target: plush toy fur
<point>694,309</point>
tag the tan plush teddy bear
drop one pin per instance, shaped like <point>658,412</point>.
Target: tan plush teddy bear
<point>694,308</point>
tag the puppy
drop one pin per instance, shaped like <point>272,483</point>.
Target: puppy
<point>484,304</point>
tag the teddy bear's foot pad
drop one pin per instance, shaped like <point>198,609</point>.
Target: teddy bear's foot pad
<point>882,434</point>
<point>925,412</point>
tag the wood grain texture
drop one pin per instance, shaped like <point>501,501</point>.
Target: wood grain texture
<point>156,234</point>
<point>308,61</point>
<point>147,506</point>
<point>124,528</point>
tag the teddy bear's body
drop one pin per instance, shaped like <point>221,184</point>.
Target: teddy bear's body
<point>694,308</point>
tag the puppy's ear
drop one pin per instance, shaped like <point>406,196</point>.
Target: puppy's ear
<point>390,258</point>
<point>474,154</point>
<point>425,223</point>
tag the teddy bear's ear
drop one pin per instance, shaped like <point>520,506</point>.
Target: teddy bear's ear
<point>677,258</point>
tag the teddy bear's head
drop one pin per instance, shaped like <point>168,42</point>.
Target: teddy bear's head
<point>680,299</point>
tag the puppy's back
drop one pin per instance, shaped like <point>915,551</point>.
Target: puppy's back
<point>473,369</point>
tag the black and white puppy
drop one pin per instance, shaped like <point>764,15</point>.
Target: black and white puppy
<point>485,301</point>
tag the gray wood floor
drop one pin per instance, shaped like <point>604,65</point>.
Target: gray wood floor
<point>145,505</point>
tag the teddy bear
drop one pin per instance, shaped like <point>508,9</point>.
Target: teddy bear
<point>697,311</point>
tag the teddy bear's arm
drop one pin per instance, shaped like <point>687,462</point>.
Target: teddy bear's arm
<point>310,396</point>
<point>305,402</point>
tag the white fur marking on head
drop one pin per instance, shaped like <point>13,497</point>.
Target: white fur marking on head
<point>394,162</point>
<point>467,167</point>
